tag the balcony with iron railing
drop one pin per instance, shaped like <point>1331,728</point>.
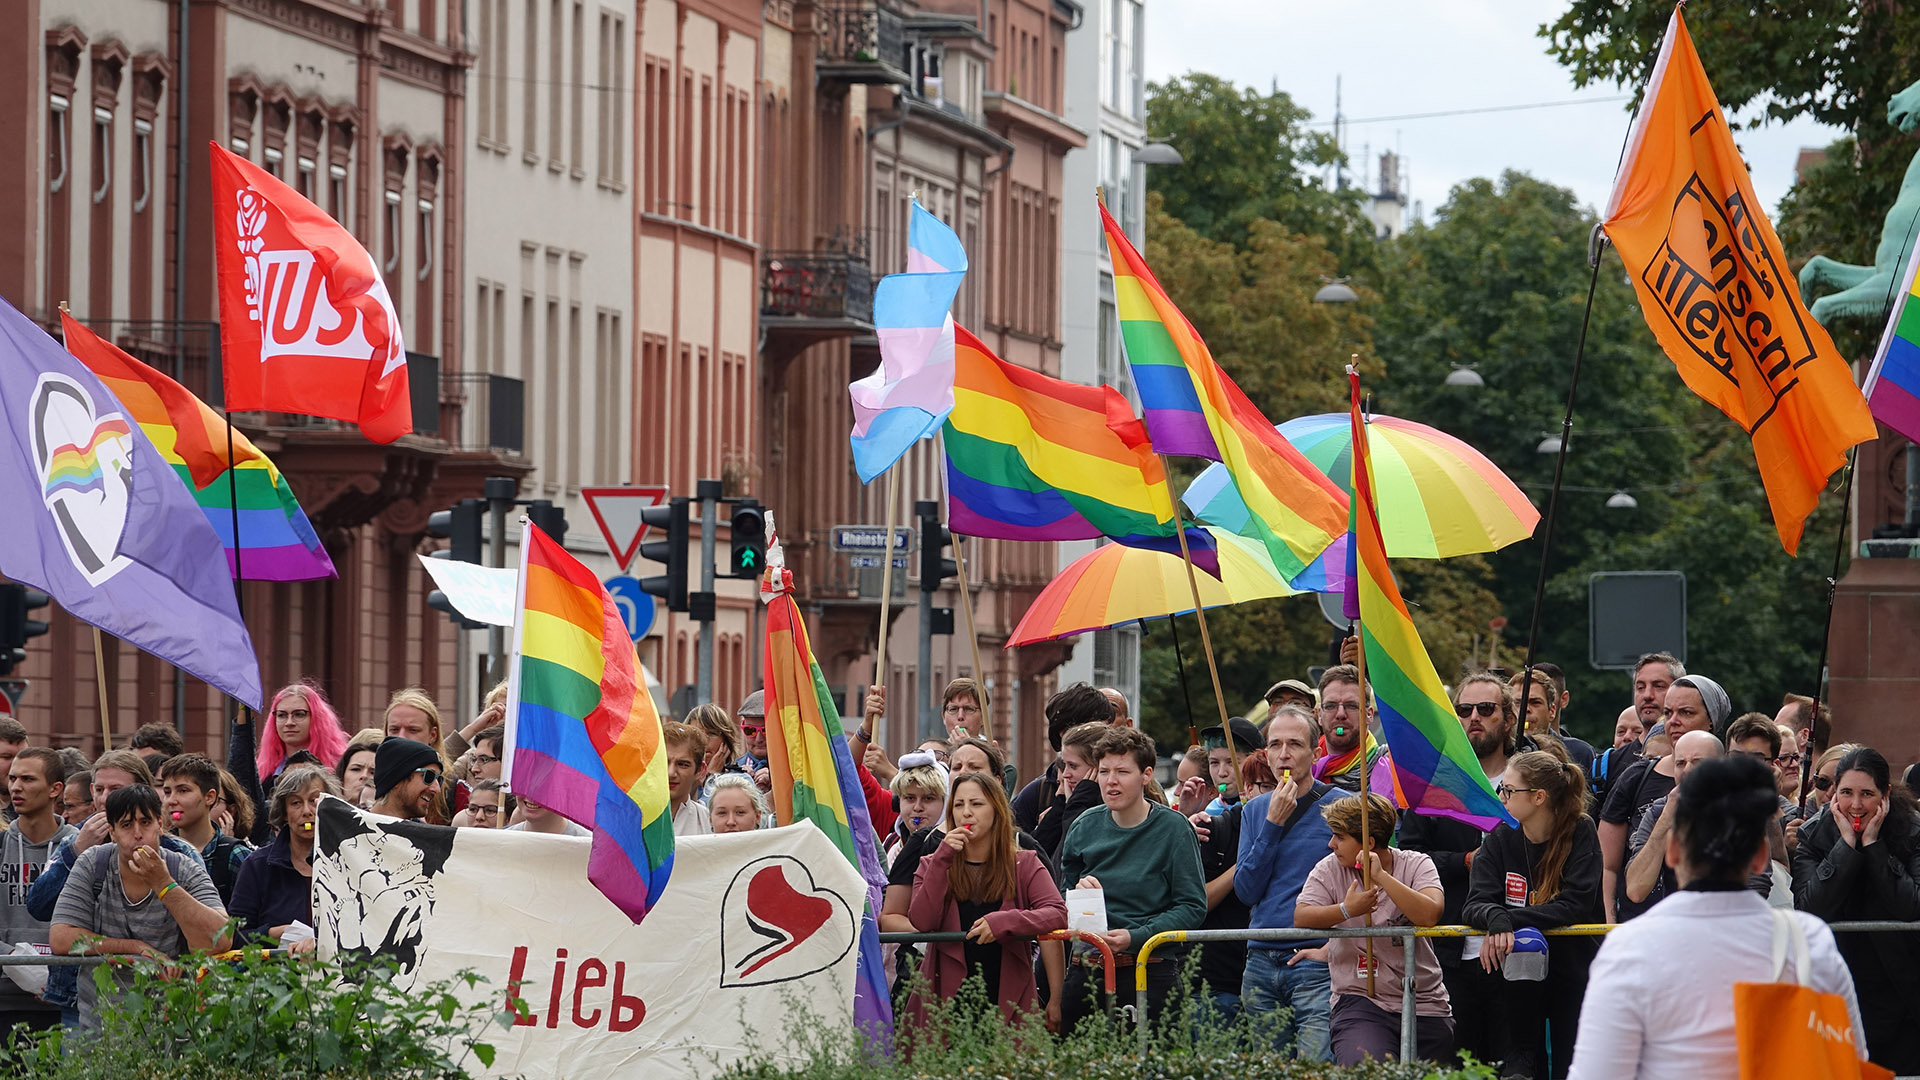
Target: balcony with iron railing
<point>858,42</point>
<point>812,296</point>
<point>458,410</point>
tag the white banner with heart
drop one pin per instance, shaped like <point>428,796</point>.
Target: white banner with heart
<point>750,926</point>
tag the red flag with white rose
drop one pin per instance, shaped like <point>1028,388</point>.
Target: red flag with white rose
<point>306,323</point>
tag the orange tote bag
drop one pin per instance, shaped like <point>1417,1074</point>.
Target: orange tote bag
<point>1790,1031</point>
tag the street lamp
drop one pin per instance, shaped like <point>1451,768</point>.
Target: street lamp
<point>1158,153</point>
<point>1465,377</point>
<point>1549,445</point>
<point>1620,500</point>
<point>1335,291</point>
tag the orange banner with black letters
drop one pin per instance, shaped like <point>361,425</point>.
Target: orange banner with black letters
<point>1715,288</point>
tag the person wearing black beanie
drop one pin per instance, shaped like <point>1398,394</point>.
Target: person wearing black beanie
<point>406,778</point>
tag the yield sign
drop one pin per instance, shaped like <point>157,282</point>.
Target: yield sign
<point>617,511</point>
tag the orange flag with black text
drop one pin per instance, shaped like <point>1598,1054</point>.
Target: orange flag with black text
<point>1714,286</point>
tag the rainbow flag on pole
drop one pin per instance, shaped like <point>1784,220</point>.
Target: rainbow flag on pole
<point>1893,383</point>
<point>1030,457</point>
<point>1435,770</point>
<point>814,780</point>
<point>582,734</point>
<point>1192,408</point>
<point>277,542</point>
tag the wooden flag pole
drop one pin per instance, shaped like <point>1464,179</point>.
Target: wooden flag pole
<point>966,597</point>
<point>886,574</point>
<point>1206,640</point>
<point>100,673</point>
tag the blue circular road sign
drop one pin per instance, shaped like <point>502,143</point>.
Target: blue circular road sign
<point>636,607</point>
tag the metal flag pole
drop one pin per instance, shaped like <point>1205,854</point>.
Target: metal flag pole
<point>1206,640</point>
<point>1180,666</point>
<point>966,587</point>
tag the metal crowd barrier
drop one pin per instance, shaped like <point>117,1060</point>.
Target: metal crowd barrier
<point>1407,935</point>
<point>1088,936</point>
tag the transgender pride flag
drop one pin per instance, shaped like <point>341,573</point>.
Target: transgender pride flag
<point>1893,383</point>
<point>911,392</point>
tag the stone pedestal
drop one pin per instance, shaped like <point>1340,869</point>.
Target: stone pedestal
<point>1874,661</point>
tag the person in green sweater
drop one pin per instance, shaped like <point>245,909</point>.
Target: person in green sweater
<point>1144,857</point>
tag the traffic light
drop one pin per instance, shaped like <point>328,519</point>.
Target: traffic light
<point>550,519</point>
<point>935,567</point>
<point>670,550</point>
<point>461,525</point>
<point>17,603</point>
<point>749,539</point>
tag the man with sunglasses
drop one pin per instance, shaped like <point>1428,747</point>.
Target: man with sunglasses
<point>406,778</point>
<point>1349,744</point>
<point>752,717</point>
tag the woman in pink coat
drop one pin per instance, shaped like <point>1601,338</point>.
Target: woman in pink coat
<point>977,880</point>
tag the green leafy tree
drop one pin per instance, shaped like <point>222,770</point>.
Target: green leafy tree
<point>1250,157</point>
<point>1835,63</point>
<point>1499,280</point>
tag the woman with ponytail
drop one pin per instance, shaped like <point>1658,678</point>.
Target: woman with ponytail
<point>1859,860</point>
<point>1542,875</point>
<point>299,717</point>
<point>1662,986</point>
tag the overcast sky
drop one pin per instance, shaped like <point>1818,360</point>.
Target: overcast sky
<point>1419,56</point>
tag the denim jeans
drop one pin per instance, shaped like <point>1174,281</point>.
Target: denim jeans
<point>1304,990</point>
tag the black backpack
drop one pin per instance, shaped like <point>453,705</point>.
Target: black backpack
<point>220,864</point>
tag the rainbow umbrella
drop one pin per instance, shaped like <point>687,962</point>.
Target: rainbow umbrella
<point>1438,496</point>
<point>1116,584</point>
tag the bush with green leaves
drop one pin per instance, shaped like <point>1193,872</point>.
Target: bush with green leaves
<point>265,1016</point>
<point>963,1038</point>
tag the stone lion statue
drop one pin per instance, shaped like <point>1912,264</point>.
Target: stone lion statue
<point>1863,290</point>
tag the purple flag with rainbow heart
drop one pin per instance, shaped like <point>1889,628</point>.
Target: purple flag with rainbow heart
<point>103,524</point>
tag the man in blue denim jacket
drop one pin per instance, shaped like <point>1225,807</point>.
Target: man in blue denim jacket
<point>1282,837</point>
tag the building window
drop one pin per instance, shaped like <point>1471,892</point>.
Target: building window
<point>530,78</point>
<point>391,233</point>
<point>340,130</point>
<point>576,146</point>
<point>102,153</point>
<point>556,41</point>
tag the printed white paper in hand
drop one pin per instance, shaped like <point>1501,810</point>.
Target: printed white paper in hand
<point>1087,910</point>
<point>484,594</point>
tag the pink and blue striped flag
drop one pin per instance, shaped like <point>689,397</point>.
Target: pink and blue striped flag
<point>1893,383</point>
<point>907,397</point>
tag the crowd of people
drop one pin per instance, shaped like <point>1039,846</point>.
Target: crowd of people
<point>1689,829</point>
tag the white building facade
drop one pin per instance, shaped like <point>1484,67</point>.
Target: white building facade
<point>1107,95</point>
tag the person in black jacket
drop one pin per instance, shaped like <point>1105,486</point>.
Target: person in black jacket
<point>1544,874</point>
<point>1075,791</point>
<point>1077,704</point>
<point>1489,710</point>
<point>1859,859</point>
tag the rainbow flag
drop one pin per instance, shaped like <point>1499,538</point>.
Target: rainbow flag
<point>1893,383</point>
<point>1193,408</point>
<point>1435,770</point>
<point>1030,457</point>
<point>814,780</point>
<point>582,734</point>
<point>278,543</point>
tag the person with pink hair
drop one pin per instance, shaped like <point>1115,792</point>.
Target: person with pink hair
<point>300,719</point>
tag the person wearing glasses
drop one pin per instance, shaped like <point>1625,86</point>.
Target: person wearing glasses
<point>1543,874</point>
<point>301,719</point>
<point>483,807</point>
<point>1348,736</point>
<point>274,888</point>
<point>752,716</point>
<point>406,779</point>
<point>1786,767</point>
<point>1489,712</point>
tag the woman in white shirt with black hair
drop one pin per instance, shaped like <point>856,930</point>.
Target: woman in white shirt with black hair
<point>1659,1000</point>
